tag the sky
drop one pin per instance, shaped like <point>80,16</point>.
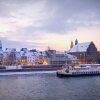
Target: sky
<point>37,24</point>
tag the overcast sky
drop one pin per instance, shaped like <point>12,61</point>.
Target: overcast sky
<point>42,23</point>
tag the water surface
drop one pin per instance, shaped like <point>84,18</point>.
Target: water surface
<point>46,86</point>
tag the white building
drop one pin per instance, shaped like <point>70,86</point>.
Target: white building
<point>30,58</point>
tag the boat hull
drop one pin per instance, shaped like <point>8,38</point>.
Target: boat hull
<point>76,75</point>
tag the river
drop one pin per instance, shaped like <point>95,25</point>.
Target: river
<point>47,86</point>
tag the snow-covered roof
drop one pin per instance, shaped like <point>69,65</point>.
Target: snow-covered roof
<point>44,54</point>
<point>59,52</point>
<point>28,54</point>
<point>10,50</point>
<point>71,56</point>
<point>81,47</point>
<point>18,54</point>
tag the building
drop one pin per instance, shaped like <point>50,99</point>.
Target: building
<point>99,57</point>
<point>11,57</point>
<point>60,58</point>
<point>0,45</point>
<point>1,57</point>
<point>1,53</point>
<point>30,58</point>
<point>85,52</point>
<point>23,57</point>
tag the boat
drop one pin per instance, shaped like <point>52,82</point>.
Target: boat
<point>81,70</point>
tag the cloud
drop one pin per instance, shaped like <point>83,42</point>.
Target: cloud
<point>38,20</point>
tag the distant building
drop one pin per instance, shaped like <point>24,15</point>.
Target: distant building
<point>50,53</point>
<point>1,53</point>
<point>24,49</point>
<point>23,57</point>
<point>99,57</point>
<point>11,57</point>
<point>0,45</point>
<point>85,52</point>
<point>60,58</point>
<point>30,58</point>
<point>1,57</point>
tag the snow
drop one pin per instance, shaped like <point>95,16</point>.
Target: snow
<point>59,52</point>
<point>81,47</point>
<point>10,50</point>
<point>71,56</point>
<point>13,67</point>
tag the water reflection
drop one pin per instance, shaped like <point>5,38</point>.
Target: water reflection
<point>48,87</point>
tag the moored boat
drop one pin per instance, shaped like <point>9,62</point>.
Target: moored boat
<point>82,70</point>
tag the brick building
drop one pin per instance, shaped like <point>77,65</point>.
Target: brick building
<point>85,52</point>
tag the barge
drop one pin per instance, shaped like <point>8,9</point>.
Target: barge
<point>81,70</point>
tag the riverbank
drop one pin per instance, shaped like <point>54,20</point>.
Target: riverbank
<point>29,68</point>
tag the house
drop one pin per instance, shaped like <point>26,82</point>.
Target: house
<point>1,57</point>
<point>11,57</point>
<point>23,56</point>
<point>85,52</point>
<point>30,58</point>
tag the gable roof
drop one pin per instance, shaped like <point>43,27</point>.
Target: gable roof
<point>81,47</point>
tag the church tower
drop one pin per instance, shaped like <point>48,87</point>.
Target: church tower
<point>76,42</point>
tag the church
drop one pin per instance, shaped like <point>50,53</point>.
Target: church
<point>86,52</point>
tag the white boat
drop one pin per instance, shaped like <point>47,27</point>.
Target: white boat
<point>82,70</point>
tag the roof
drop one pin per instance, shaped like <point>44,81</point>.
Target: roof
<point>81,47</point>
<point>10,50</point>
<point>59,52</point>
<point>72,57</point>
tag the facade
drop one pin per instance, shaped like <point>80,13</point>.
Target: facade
<point>1,57</point>
<point>1,54</point>
<point>11,57</point>
<point>23,57</point>
<point>30,58</point>
<point>99,57</point>
<point>60,58</point>
<point>85,52</point>
<point>23,60</point>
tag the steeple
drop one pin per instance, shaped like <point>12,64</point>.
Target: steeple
<point>76,42</point>
<point>48,48</point>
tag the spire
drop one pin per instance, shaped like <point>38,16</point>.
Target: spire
<point>76,42</point>
<point>48,48</point>
<point>0,44</point>
<point>71,44</point>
